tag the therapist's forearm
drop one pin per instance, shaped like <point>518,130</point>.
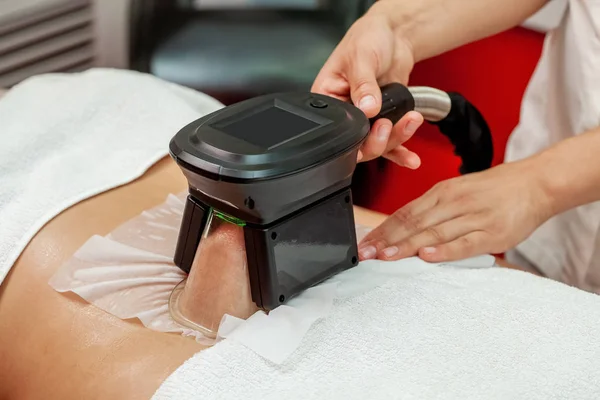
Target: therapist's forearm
<point>436,26</point>
<point>570,171</point>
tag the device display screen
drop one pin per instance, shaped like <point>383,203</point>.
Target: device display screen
<point>269,128</point>
<point>314,244</point>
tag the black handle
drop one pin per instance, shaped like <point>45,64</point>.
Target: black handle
<point>396,101</point>
<point>464,126</point>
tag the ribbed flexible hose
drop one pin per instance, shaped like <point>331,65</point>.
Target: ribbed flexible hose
<point>433,104</point>
<point>452,113</point>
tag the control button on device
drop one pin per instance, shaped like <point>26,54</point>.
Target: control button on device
<point>318,103</point>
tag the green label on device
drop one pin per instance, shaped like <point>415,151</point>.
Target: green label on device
<point>229,218</point>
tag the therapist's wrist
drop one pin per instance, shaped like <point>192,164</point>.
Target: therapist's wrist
<point>570,171</point>
<point>404,18</point>
<point>555,173</point>
<point>550,190</point>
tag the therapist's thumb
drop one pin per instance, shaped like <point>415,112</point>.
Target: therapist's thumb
<point>364,90</point>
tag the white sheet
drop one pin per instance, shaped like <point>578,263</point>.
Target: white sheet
<point>430,332</point>
<point>65,138</point>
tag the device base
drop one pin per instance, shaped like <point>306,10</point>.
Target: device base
<point>289,256</point>
<point>302,250</point>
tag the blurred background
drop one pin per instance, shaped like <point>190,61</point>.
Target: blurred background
<point>235,49</point>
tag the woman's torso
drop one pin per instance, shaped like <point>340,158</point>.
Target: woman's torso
<point>58,345</point>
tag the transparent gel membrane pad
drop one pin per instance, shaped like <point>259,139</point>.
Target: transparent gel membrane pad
<point>130,274</point>
<point>218,282</point>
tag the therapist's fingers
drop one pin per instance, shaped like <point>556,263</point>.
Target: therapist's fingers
<point>402,132</point>
<point>385,138</point>
<point>330,80</point>
<point>469,245</point>
<point>331,84</point>
<point>364,89</point>
<point>394,227</point>
<point>404,129</point>
<point>405,224</point>
<point>432,208</point>
<point>376,143</point>
<point>404,157</point>
<point>431,236</point>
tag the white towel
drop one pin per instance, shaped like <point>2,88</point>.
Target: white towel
<point>428,333</point>
<point>65,138</point>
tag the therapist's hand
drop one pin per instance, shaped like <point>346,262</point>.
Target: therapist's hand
<point>370,55</point>
<point>483,213</point>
